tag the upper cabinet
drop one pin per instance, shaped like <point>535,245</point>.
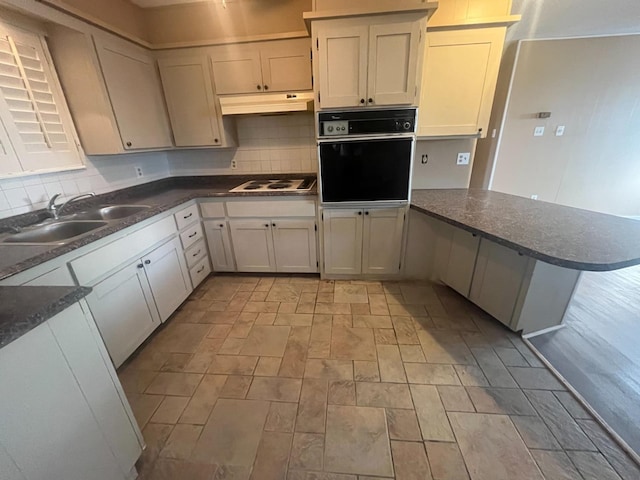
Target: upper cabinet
<point>369,61</point>
<point>192,104</point>
<point>459,81</point>
<point>36,132</point>
<point>277,66</point>
<point>113,90</point>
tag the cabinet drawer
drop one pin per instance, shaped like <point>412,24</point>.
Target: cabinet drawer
<point>277,208</point>
<point>98,262</point>
<point>196,253</point>
<point>212,209</point>
<point>191,235</point>
<point>187,216</point>
<point>200,272</point>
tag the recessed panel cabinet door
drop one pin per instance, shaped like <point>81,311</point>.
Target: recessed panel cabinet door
<point>253,245</point>
<point>188,90</point>
<point>382,245</point>
<point>342,241</point>
<point>286,66</point>
<point>459,80</point>
<point>125,313</point>
<point>342,58</point>
<point>237,70</point>
<point>168,277</point>
<point>295,245</point>
<point>393,63</point>
<point>136,97</point>
<point>462,261</point>
<point>217,233</point>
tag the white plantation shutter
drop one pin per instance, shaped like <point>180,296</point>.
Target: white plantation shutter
<point>31,105</point>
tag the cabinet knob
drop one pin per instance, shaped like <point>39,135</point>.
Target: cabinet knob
<point>266,87</point>
<point>140,265</point>
<point>259,87</point>
<point>362,101</point>
<point>147,262</point>
<point>216,141</point>
<point>371,100</point>
<point>129,144</point>
<point>267,225</point>
<point>221,225</point>
<point>273,224</point>
<point>366,213</point>
<point>359,213</point>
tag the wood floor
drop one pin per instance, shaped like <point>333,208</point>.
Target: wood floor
<point>599,350</point>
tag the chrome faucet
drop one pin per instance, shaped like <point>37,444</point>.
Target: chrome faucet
<point>55,211</point>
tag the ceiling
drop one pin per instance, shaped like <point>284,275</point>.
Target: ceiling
<point>164,3</point>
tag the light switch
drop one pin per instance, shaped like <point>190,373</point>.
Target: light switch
<point>463,158</point>
<point>559,130</point>
<point>538,132</point>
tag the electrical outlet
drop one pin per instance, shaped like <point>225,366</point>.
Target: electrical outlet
<point>559,130</point>
<point>234,164</point>
<point>463,158</point>
<point>538,132</point>
<point>534,197</point>
<point>139,172</point>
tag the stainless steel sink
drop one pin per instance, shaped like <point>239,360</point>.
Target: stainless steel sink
<point>53,233</point>
<point>108,212</point>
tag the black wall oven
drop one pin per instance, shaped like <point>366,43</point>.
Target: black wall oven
<point>366,156</point>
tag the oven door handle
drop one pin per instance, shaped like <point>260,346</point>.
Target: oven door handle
<point>402,136</point>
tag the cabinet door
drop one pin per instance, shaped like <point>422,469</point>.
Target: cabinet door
<point>462,261</point>
<point>382,244</point>
<point>168,277</point>
<point>124,310</point>
<point>295,245</point>
<point>342,232</point>
<point>253,245</point>
<point>192,108</point>
<point>135,93</point>
<point>497,280</point>
<point>217,233</point>
<point>459,81</point>
<point>393,63</point>
<point>286,65</point>
<point>236,70</point>
<point>342,66</point>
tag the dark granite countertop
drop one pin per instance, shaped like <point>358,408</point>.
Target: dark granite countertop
<point>559,235</point>
<point>161,195</point>
<point>24,308</point>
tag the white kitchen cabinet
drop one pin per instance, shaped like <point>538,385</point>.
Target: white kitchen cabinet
<point>342,230</point>
<point>459,79</point>
<point>462,260</point>
<point>219,241</point>
<point>497,280</point>
<point>69,417</point>
<point>168,277</point>
<point>294,245</point>
<point>253,245</point>
<point>382,240</point>
<point>278,66</point>
<point>363,241</point>
<point>124,309</point>
<point>136,96</point>
<point>369,61</point>
<point>36,131</point>
<point>188,90</point>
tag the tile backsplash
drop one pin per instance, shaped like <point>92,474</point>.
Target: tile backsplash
<point>268,144</point>
<point>103,174</point>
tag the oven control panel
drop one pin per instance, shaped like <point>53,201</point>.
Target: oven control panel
<point>336,127</point>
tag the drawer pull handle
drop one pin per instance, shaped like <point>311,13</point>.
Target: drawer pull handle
<point>140,265</point>
<point>201,269</point>
<point>188,216</point>
<point>196,254</point>
<point>193,234</point>
<point>147,262</point>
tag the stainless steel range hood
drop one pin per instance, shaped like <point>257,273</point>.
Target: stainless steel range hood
<point>265,103</point>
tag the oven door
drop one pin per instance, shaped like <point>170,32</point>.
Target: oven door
<point>366,170</point>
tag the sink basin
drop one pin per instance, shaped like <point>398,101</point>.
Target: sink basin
<point>55,232</point>
<point>108,212</point>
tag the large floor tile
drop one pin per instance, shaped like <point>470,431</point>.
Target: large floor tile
<point>432,418</point>
<point>266,341</point>
<point>180,384</point>
<point>492,448</point>
<point>410,461</point>
<point>275,389</point>
<point>446,461</point>
<point>357,441</point>
<point>376,394</point>
<point>353,344</point>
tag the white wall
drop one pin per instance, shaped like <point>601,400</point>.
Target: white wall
<point>103,174</point>
<point>268,144</point>
<point>441,169</point>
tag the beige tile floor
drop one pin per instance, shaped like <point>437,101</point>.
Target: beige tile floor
<point>300,379</point>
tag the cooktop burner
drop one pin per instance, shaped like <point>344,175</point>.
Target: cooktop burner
<point>287,185</point>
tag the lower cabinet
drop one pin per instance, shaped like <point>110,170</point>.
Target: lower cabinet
<point>274,245</point>
<point>462,261</point>
<point>217,233</point>
<point>132,302</point>
<point>363,241</point>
